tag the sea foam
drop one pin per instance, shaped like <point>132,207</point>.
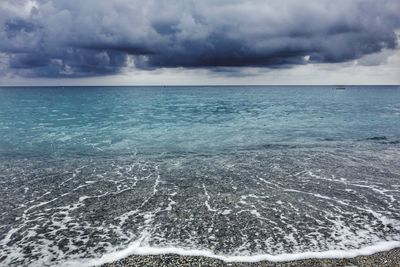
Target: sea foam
<point>136,249</point>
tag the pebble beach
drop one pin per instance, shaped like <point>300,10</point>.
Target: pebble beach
<point>382,259</point>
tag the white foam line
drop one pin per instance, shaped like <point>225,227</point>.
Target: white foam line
<point>156,182</point>
<point>136,249</point>
<point>208,198</point>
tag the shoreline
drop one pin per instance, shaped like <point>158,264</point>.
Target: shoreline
<point>390,258</point>
<point>381,254</point>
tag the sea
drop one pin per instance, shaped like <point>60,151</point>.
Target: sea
<point>241,173</point>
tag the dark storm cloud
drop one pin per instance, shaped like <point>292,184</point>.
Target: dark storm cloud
<point>86,38</point>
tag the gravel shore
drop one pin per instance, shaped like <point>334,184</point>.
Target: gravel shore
<point>387,259</point>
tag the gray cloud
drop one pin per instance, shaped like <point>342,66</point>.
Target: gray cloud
<point>74,38</point>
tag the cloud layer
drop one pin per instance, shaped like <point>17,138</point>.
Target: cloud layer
<point>73,38</point>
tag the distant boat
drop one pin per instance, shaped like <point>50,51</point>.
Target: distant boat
<point>340,87</point>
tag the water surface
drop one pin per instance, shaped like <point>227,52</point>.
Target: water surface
<point>86,171</point>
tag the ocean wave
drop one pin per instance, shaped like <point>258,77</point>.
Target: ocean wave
<point>136,249</point>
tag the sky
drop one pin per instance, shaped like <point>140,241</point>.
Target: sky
<point>189,42</point>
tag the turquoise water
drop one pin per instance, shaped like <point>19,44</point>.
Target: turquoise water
<point>85,171</point>
<point>86,120</point>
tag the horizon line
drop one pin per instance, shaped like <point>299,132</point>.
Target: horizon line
<point>200,85</point>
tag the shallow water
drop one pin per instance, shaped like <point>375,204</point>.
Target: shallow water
<point>85,171</point>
